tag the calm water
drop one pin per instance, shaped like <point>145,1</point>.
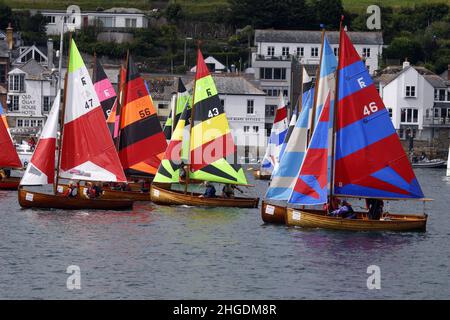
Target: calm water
<point>191,253</point>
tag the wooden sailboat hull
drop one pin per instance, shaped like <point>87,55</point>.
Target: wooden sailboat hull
<point>319,219</point>
<point>120,195</point>
<point>170,197</point>
<point>260,176</point>
<point>31,199</point>
<point>271,213</point>
<point>11,183</point>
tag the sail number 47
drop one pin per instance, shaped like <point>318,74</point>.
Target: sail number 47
<point>372,108</point>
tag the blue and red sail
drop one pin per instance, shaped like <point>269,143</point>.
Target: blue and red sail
<point>370,160</point>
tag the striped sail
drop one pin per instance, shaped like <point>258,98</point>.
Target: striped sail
<point>169,169</point>
<point>8,156</point>
<point>182,99</point>
<point>41,169</point>
<point>104,89</point>
<point>87,151</point>
<point>327,78</point>
<point>141,139</point>
<point>370,160</point>
<point>113,119</point>
<point>277,135</point>
<point>212,145</point>
<point>284,177</point>
<point>311,185</point>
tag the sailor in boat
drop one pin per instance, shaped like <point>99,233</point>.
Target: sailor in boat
<point>423,157</point>
<point>332,204</point>
<point>183,170</point>
<point>375,207</point>
<point>71,191</point>
<point>210,191</point>
<point>345,211</point>
<point>4,173</point>
<point>228,190</point>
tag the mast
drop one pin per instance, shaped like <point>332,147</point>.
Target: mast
<point>313,115</point>
<point>55,186</point>
<point>120,101</point>
<point>191,123</point>
<point>94,68</point>
<point>335,105</point>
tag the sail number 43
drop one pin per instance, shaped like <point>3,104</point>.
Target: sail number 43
<point>371,108</point>
<point>213,112</point>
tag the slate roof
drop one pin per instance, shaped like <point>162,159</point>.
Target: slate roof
<point>307,36</point>
<point>390,73</point>
<point>233,85</point>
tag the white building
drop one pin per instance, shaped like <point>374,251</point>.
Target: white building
<point>417,99</point>
<point>110,19</point>
<point>213,65</point>
<point>31,91</point>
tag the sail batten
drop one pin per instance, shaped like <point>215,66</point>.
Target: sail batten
<point>370,160</point>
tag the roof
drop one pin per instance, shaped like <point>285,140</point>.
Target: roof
<point>306,36</point>
<point>234,85</point>
<point>124,10</point>
<point>390,73</point>
<point>34,70</point>
<point>212,60</point>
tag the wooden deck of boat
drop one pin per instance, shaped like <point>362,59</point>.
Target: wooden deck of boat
<point>165,196</point>
<point>11,183</point>
<point>32,199</point>
<point>389,222</point>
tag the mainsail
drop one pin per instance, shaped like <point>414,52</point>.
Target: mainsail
<point>41,169</point>
<point>277,135</point>
<point>311,185</point>
<point>284,177</point>
<point>141,139</point>
<point>211,143</point>
<point>182,99</point>
<point>87,151</point>
<point>104,89</point>
<point>169,169</point>
<point>370,160</point>
<point>8,156</point>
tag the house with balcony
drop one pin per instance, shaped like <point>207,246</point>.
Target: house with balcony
<point>280,54</point>
<point>418,101</point>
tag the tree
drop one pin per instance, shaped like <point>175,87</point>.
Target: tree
<point>328,12</point>
<point>404,47</point>
<point>5,16</point>
<point>174,13</point>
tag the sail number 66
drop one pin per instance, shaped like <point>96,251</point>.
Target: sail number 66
<point>372,108</point>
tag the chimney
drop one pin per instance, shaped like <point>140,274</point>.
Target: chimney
<point>406,63</point>
<point>50,53</point>
<point>9,36</point>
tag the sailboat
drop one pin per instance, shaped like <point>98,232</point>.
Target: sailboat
<point>103,87</point>
<point>180,100</point>
<point>9,159</point>
<point>273,208</point>
<point>86,149</point>
<point>277,135</point>
<point>367,159</point>
<point>205,150</point>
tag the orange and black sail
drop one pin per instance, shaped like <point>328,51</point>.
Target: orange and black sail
<point>141,139</point>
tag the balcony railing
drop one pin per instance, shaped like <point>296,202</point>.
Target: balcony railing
<point>436,121</point>
<point>274,58</point>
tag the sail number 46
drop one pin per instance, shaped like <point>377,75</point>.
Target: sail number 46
<point>145,113</point>
<point>372,108</point>
<point>213,112</point>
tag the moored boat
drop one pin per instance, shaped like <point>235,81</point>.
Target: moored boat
<point>10,183</point>
<point>435,163</point>
<point>388,222</point>
<point>271,213</point>
<point>116,194</point>
<point>164,196</point>
<point>32,199</point>
<point>259,175</point>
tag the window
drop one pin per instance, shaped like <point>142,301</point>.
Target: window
<point>300,51</point>
<point>222,102</point>
<point>409,115</point>
<point>314,52</point>
<point>439,94</point>
<point>285,93</point>
<point>17,82</point>
<point>436,113</point>
<point>32,123</point>
<point>163,106</point>
<point>26,123</point>
<point>39,123</point>
<point>268,128</point>
<point>272,73</point>
<point>246,128</point>
<point>107,21</point>
<point>366,52</point>
<point>51,19</point>
<point>271,51</point>
<point>336,51</point>
<point>2,73</point>
<point>14,103</point>
<point>250,107</point>
<point>427,113</point>
<point>130,23</point>
<point>390,112</point>
<point>19,123</point>
<point>46,104</point>
<point>410,91</point>
<point>285,51</point>
<point>270,110</point>
<point>255,128</point>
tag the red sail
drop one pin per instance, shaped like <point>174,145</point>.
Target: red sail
<point>8,155</point>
